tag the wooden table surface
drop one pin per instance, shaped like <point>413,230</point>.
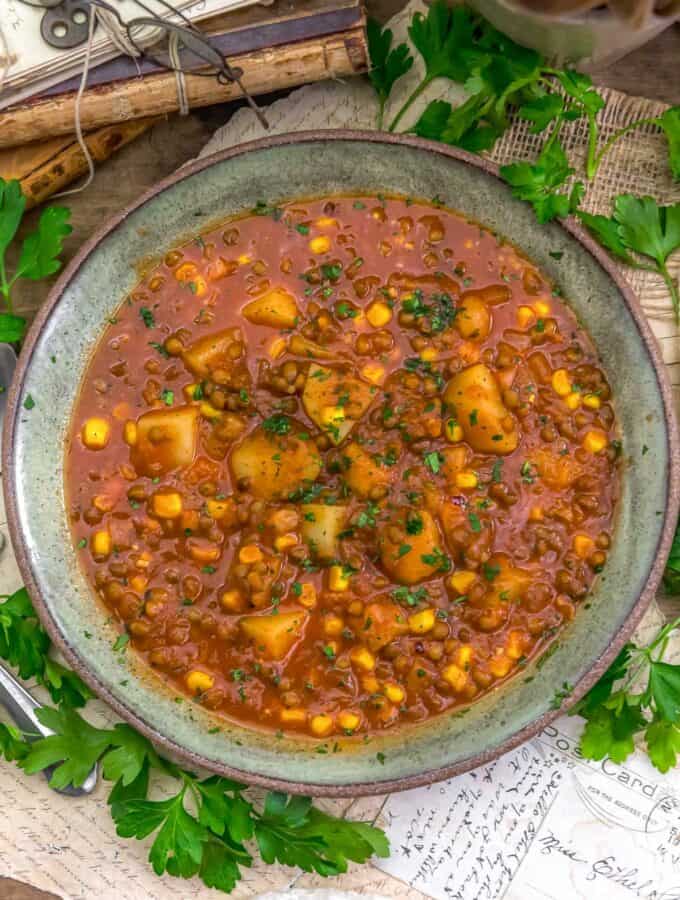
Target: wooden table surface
<point>652,71</point>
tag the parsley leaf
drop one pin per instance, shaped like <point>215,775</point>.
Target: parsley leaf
<point>670,123</point>
<point>38,256</point>
<point>40,249</point>
<point>640,225</point>
<point>671,576</point>
<point>388,63</point>
<point>537,183</point>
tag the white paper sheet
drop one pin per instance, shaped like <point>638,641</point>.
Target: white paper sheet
<point>34,63</point>
<point>541,823</point>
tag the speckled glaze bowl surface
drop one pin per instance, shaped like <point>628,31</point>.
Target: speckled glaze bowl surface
<point>277,169</point>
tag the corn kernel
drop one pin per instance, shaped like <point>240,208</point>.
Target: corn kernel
<point>421,622</point>
<point>514,645</point>
<point>130,433</point>
<point>244,259</point>
<point>363,658</point>
<point>370,684</point>
<point>307,596</point>
<point>542,308</point>
<point>167,505</point>
<point>453,431</point>
<point>190,390</point>
<point>326,222</point>
<point>373,372</point>
<point>278,347</point>
<point>561,382</point>
<point>198,682</point>
<point>294,716</point>
<point>595,441</point>
<point>138,583</point>
<point>535,514</point>
<point>249,554</point>
<point>285,542</point>
<point>466,480</point>
<point>338,579</point>
<point>573,400</point>
<point>592,401</point>
<point>96,433</point>
<point>209,411</point>
<point>525,316</point>
<point>217,509</point>
<point>500,665</point>
<point>320,244</point>
<point>378,314</point>
<point>101,543</point>
<point>143,560</point>
<point>321,725</point>
<point>429,354</point>
<point>332,416</point>
<point>461,581</point>
<point>583,545</point>
<point>333,625</point>
<point>455,676</point>
<point>394,693</point>
<point>232,601</point>
<point>186,271</point>
<point>464,656</point>
<point>203,554</point>
<point>103,503</point>
<point>349,721</point>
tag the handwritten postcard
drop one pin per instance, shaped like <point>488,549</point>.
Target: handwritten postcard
<point>541,823</point>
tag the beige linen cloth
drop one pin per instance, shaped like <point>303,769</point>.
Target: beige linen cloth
<point>69,846</point>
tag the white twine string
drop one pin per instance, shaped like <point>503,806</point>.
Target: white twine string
<point>78,125</point>
<point>180,80</point>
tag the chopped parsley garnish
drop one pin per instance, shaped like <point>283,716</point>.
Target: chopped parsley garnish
<point>147,317</point>
<point>433,461</point>
<point>277,424</point>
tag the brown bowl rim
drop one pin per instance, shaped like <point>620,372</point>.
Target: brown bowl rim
<point>362,788</point>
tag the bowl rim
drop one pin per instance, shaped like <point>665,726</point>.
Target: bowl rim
<point>12,472</point>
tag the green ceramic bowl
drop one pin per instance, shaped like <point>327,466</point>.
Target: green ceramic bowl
<point>57,351</point>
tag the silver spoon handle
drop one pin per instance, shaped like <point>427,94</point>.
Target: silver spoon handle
<point>22,706</point>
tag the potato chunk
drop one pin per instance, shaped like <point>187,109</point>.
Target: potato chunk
<point>411,557</point>
<point>274,635</point>
<point>363,472</point>
<point>214,351</point>
<point>274,465</point>
<point>302,346</point>
<point>321,525</point>
<point>558,472</point>
<point>473,319</point>
<point>277,308</point>
<point>166,439</point>
<point>335,400</point>
<point>383,622</point>
<point>474,398</point>
<point>507,583</point>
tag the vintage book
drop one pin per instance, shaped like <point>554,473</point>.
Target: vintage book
<point>281,46</point>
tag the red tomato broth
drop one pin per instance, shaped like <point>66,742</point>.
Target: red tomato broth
<point>454,564</point>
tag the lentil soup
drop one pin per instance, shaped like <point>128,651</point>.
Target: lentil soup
<point>342,463</point>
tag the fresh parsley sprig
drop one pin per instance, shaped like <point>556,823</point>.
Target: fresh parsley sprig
<point>461,46</point>
<point>38,255</point>
<point>639,695</point>
<point>25,645</point>
<point>387,64</point>
<point>639,227</point>
<point>207,827</point>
